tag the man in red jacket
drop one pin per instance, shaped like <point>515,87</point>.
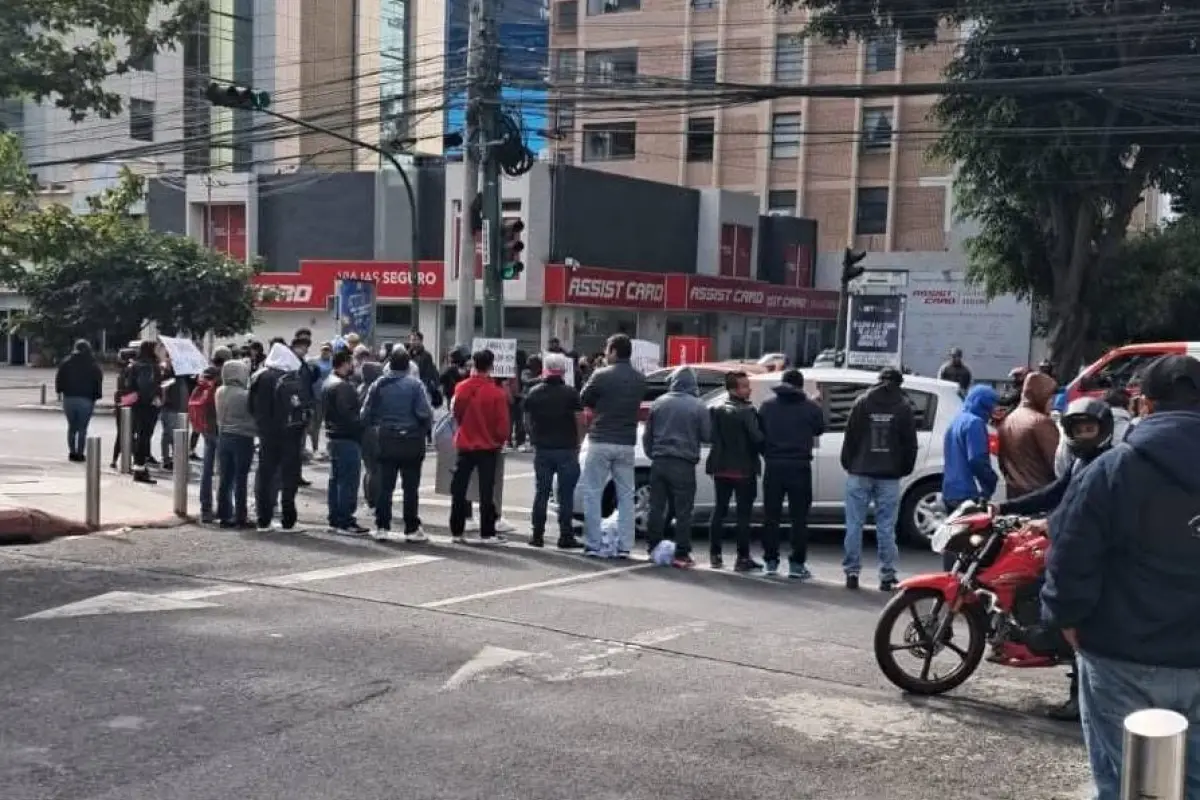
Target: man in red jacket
<point>482,420</point>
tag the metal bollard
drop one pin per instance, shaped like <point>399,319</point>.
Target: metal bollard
<point>126,440</point>
<point>43,394</point>
<point>1155,755</point>
<point>182,471</point>
<point>93,482</point>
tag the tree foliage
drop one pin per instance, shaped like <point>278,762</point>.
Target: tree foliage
<point>107,270</point>
<point>41,58</point>
<point>1051,176</point>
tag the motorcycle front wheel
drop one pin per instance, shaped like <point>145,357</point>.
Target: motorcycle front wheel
<point>908,662</point>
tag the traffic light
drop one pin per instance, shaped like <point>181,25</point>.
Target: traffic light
<point>229,95</point>
<point>850,267</point>
<point>511,266</point>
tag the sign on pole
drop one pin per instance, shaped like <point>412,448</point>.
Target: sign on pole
<point>485,237</point>
<point>505,351</point>
<point>875,332</point>
<point>356,301</point>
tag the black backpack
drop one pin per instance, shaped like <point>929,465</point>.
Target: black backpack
<point>290,407</point>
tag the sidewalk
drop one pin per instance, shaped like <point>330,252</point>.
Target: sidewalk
<point>32,389</point>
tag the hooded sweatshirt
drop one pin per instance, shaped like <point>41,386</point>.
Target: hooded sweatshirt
<point>1122,571</point>
<point>233,401</point>
<point>1029,438</point>
<point>968,472</point>
<point>678,423</point>
<point>881,434</point>
<point>279,361</point>
<point>791,424</point>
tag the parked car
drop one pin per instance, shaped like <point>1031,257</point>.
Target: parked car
<point>936,402</point>
<point>710,376</point>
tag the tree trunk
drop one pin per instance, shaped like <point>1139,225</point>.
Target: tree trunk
<point>1067,337</point>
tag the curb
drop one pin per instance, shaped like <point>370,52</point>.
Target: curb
<point>24,526</point>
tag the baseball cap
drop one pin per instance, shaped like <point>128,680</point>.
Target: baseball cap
<point>1173,380</point>
<point>891,375</point>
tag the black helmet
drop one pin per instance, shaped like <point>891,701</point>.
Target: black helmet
<point>1087,409</point>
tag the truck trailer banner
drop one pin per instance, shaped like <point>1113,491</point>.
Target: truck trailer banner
<point>875,331</point>
<point>356,301</point>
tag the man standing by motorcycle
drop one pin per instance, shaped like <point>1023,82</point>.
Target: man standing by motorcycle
<point>1029,438</point>
<point>1088,427</point>
<point>968,474</point>
<point>1121,576</point>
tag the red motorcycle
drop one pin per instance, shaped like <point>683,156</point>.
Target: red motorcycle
<point>990,598</point>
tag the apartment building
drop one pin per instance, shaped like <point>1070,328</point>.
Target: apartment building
<point>858,167</point>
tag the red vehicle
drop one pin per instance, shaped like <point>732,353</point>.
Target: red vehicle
<point>990,599</point>
<point>1119,366</point>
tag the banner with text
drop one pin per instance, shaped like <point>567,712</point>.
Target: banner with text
<point>505,351</point>
<point>875,331</point>
<point>356,301</point>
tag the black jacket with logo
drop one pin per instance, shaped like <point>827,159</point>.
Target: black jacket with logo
<point>881,434</point>
<point>737,440</point>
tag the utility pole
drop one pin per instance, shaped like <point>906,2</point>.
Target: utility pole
<point>473,144</point>
<point>489,94</point>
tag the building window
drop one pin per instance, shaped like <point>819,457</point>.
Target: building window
<point>700,139</point>
<point>781,203</point>
<point>789,58</point>
<point>610,66</point>
<point>785,136</point>
<point>141,120</point>
<point>610,141</point>
<point>881,53</point>
<point>877,129</point>
<point>704,63</point>
<point>566,64</point>
<point>871,218</point>
<point>704,5</point>
<point>142,62</point>
<point>595,7</point>
<point>567,16</point>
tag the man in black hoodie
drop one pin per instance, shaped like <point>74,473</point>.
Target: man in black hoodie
<point>1121,576</point>
<point>733,462</point>
<point>791,424</point>
<point>277,404</point>
<point>879,448</point>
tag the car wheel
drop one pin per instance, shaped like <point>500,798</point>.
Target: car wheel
<point>922,511</point>
<point>641,502</point>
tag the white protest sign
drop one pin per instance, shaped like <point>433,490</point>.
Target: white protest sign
<point>505,351</point>
<point>186,358</point>
<point>647,356</point>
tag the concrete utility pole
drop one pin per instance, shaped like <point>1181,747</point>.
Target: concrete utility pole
<point>473,139</point>
<point>489,86</point>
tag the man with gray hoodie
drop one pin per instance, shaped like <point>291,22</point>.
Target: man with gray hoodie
<point>236,430</point>
<point>679,423</point>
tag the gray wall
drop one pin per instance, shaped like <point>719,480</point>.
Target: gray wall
<point>393,228</point>
<point>624,223</point>
<point>167,207</point>
<point>332,218</point>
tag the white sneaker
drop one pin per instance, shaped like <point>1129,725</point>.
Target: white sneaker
<point>504,526</point>
<point>381,535</point>
<point>416,537</point>
<point>462,539</point>
<point>272,528</point>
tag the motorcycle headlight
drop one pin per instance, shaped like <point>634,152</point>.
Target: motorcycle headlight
<point>944,534</point>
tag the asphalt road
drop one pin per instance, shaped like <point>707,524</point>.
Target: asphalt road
<point>206,665</point>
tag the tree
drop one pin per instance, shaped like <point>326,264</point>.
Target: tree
<point>107,270</point>
<point>1052,179</point>
<point>41,60</point>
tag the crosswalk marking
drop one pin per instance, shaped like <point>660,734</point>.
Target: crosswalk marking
<point>525,587</point>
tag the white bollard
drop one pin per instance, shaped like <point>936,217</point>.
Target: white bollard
<point>182,471</point>
<point>126,435</point>
<point>1155,755</point>
<point>93,482</point>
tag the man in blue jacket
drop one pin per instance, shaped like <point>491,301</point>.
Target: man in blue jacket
<point>968,473</point>
<point>1122,575</point>
<point>791,424</point>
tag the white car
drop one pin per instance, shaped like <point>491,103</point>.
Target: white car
<point>936,403</point>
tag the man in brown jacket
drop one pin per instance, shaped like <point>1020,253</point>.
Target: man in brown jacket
<point>1029,438</point>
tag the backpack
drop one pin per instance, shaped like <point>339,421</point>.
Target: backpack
<point>202,407</point>
<point>290,407</point>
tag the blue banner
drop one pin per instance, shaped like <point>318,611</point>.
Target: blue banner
<point>356,309</point>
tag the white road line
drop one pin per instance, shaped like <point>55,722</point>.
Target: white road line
<point>527,587</point>
<point>346,570</point>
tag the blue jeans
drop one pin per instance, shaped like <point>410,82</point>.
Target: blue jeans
<point>603,461</point>
<point>236,454</point>
<point>345,471</point>
<point>548,465</point>
<point>207,467</point>
<point>79,414</point>
<point>1110,690</point>
<point>861,492</point>
<point>168,421</point>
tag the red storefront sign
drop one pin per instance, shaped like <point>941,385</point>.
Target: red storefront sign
<point>311,287</point>
<point>590,286</point>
